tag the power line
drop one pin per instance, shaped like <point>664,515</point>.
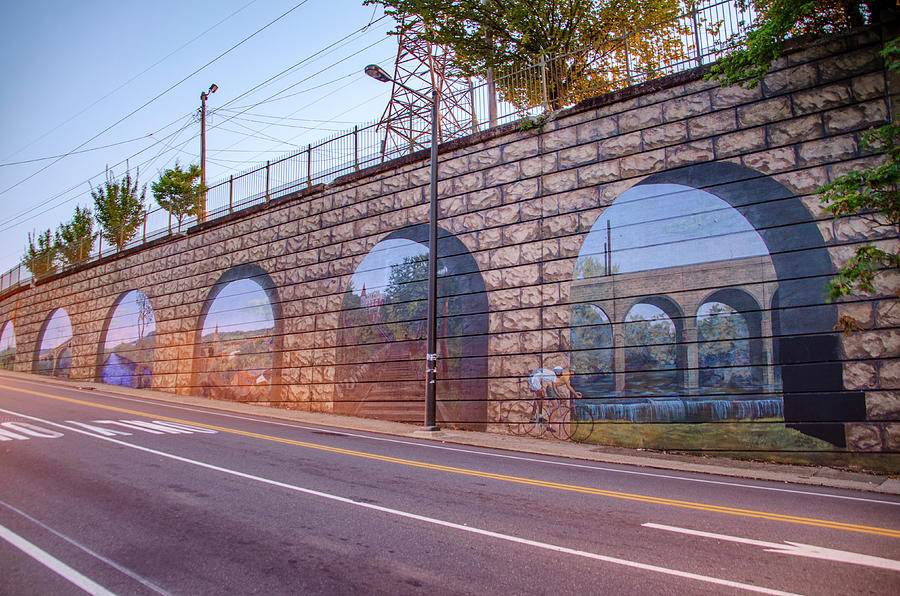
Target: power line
<point>37,159</point>
<point>135,77</point>
<point>135,111</point>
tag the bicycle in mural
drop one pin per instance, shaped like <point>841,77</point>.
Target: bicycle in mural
<point>552,410</point>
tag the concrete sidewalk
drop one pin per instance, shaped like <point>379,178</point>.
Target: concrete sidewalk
<point>735,468</point>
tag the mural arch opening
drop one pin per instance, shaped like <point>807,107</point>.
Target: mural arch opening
<point>381,354</point>
<point>8,346</point>
<point>129,340</point>
<point>238,346</point>
<point>54,355</point>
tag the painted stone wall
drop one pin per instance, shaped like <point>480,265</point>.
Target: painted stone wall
<point>654,257</point>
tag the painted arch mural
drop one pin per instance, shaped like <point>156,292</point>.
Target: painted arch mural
<point>7,346</point>
<point>237,354</point>
<point>54,352</point>
<point>129,340</point>
<point>381,352</point>
<point>679,315</point>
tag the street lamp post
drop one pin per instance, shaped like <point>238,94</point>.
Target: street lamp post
<point>379,74</point>
<point>212,89</point>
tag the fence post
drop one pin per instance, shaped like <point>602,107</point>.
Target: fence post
<point>697,35</point>
<point>145,228</point>
<point>627,62</point>
<point>230,193</point>
<point>267,180</point>
<point>356,148</point>
<point>309,165</point>
<point>100,244</point>
<point>472,105</point>
<point>544,83</point>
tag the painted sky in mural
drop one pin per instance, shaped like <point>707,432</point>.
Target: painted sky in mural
<point>7,346</point>
<point>654,226</point>
<point>242,305</point>
<point>130,342</point>
<point>57,332</point>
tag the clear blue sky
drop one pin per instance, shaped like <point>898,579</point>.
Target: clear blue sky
<point>72,69</point>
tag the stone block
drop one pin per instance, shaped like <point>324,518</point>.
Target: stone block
<point>797,130</point>
<point>872,344</point>
<point>889,373</point>
<point>821,98</point>
<point>576,156</point>
<point>827,150</point>
<point>508,256</point>
<point>536,166</point>
<point>666,134</point>
<point>887,313</point>
<point>771,161</point>
<point>557,271</point>
<point>468,183</point>
<point>860,375</point>
<point>687,106</point>
<point>640,118</point>
<point>559,139</point>
<point>523,275</point>
<point>863,437</point>
<point>689,153</point>
<point>891,437</point>
<point>716,123</point>
<point>732,96</point>
<point>742,141</point>
<point>764,112</point>
<point>527,319</point>
<point>883,405</point>
<point>518,150</point>
<point>520,233</point>
<point>597,173</point>
<point>790,79</point>
<point>850,64</point>
<point>484,159</point>
<point>641,164</point>
<point>559,182</point>
<point>624,144</point>
<point>452,168</point>
<point>500,216</point>
<point>857,117</point>
<point>595,130</point>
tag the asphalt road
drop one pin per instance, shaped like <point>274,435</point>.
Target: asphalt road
<point>114,494</point>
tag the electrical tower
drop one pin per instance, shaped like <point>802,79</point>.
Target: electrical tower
<point>407,119</point>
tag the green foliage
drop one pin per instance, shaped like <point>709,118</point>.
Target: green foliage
<point>651,341</point>
<point>119,208</point>
<point>40,254</point>
<point>779,20</point>
<point>589,267</point>
<point>75,239</point>
<point>179,191</point>
<point>574,41</point>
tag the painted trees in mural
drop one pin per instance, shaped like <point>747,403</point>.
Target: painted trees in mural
<point>689,286</point>
<point>54,356</point>
<point>129,343</point>
<point>236,359</point>
<point>381,359</point>
<point>8,346</point>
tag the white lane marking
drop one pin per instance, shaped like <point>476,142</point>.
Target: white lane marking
<point>83,548</point>
<point>54,564</point>
<point>26,429</point>
<point>796,549</point>
<point>425,519</point>
<point>213,412</point>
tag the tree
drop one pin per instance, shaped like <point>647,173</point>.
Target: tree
<point>577,41</point>
<point>778,20</point>
<point>870,193</point>
<point>119,208</point>
<point>178,191</point>
<point>40,255</point>
<point>75,239</point>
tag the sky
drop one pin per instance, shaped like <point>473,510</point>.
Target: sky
<point>654,226</point>
<point>117,81</point>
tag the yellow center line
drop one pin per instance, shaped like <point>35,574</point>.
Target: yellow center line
<point>490,475</point>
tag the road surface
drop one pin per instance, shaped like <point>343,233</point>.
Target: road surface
<point>105,493</point>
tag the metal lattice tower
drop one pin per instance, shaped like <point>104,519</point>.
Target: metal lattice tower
<point>407,119</point>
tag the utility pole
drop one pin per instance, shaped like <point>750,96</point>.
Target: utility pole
<point>201,216</point>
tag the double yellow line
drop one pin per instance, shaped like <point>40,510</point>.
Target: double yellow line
<point>792,519</point>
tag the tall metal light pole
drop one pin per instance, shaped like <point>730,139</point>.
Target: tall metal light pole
<point>212,89</point>
<point>378,73</point>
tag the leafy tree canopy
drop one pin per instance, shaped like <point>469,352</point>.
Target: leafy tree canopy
<point>119,208</point>
<point>778,20</point>
<point>40,254</point>
<point>75,239</point>
<point>569,36</point>
<point>178,191</point>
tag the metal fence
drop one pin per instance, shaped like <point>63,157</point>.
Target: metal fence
<point>698,36</point>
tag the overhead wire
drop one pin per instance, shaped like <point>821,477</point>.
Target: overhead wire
<point>159,95</point>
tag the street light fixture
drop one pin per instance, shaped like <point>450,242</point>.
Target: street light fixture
<point>379,74</point>
<point>201,216</point>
